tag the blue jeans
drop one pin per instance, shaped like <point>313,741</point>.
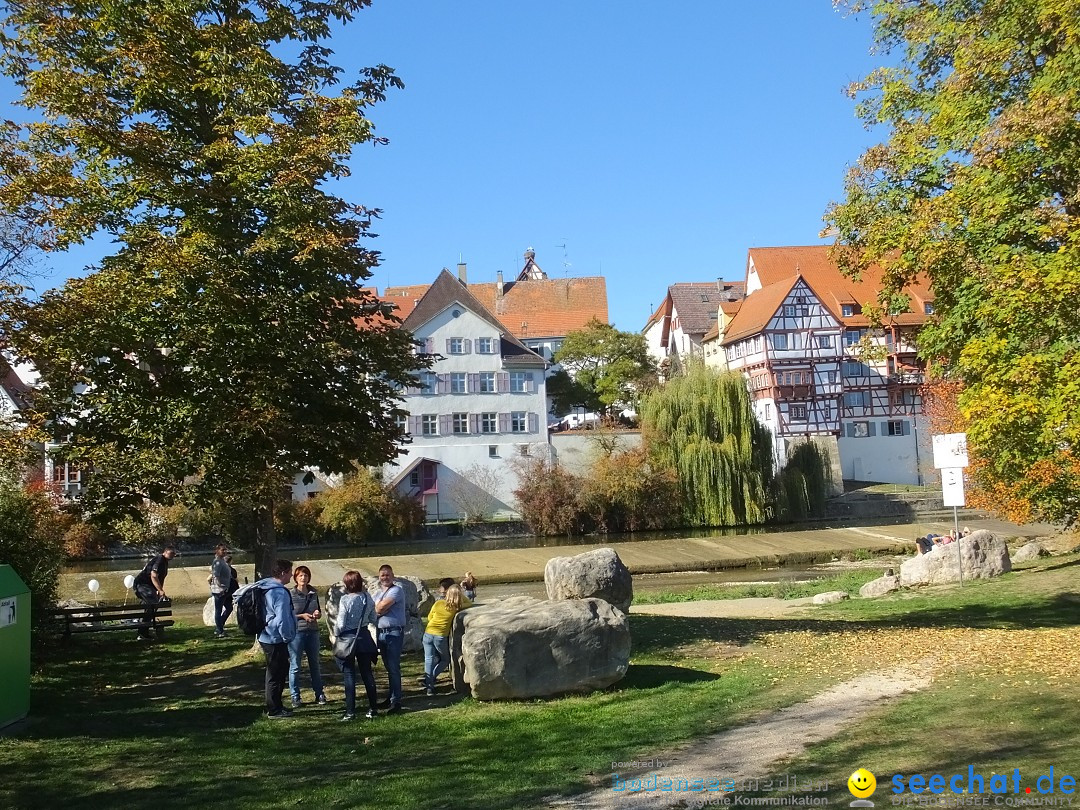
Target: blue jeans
<point>305,642</point>
<point>390,650</point>
<point>436,657</point>
<point>348,678</point>
<point>223,607</point>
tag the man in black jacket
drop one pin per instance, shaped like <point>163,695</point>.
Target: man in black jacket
<point>150,586</point>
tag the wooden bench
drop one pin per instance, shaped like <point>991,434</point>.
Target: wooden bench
<point>101,618</point>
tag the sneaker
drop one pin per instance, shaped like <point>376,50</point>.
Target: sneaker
<point>371,714</point>
<point>345,718</point>
<point>218,634</point>
<point>430,692</point>
<point>384,704</point>
<point>144,638</point>
<point>279,715</point>
<point>321,700</point>
<point>395,709</point>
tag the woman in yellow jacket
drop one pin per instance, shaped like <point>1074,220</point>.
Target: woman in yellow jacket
<point>437,634</point>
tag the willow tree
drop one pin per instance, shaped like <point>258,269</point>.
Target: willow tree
<point>701,424</point>
<point>977,186</point>
<point>228,341</point>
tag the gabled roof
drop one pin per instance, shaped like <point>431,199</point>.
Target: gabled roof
<point>696,304</point>
<point>448,290</point>
<point>832,287</point>
<point>531,308</point>
<point>758,309</point>
<point>14,387</point>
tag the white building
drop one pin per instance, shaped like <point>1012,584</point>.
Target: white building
<point>478,410</point>
<point>689,313</point>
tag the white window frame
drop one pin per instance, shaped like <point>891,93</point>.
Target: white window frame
<point>460,424</point>
<point>519,422</point>
<point>519,382</point>
<point>457,345</point>
<point>458,380</point>
<point>489,423</point>
<point>485,345</point>
<point>486,382</point>
<point>429,424</point>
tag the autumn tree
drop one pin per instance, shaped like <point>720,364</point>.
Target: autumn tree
<point>227,342</point>
<point>606,366</point>
<point>978,188</point>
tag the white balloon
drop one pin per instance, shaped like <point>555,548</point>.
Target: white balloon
<point>129,580</point>
<point>93,585</point>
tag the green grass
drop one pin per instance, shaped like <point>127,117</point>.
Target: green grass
<point>848,581</point>
<point>180,724</point>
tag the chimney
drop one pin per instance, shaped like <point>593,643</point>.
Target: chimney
<point>463,277</point>
<point>498,285</point>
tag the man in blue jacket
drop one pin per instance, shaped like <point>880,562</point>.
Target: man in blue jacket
<point>275,637</point>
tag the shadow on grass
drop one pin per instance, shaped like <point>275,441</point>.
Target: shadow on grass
<point>649,676</point>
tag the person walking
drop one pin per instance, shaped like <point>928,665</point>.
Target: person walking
<point>220,580</point>
<point>390,608</point>
<point>274,638</point>
<point>437,634</point>
<point>305,602</point>
<point>356,611</point>
<point>150,588</point>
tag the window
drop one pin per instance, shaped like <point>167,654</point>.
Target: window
<point>523,449</point>
<point>401,422</point>
<point>779,341</point>
<point>488,423</point>
<point>414,478</point>
<point>518,422</point>
<point>455,345</point>
<point>832,378</point>
<point>824,341</point>
<point>896,427</point>
<point>797,412</point>
<point>704,298</point>
<point>429,426</point>
<point>793,378</point>
<point>428,381</point>
<point>855,399</point>
<point>520,381</point>
<point>789,311</point>
<point>928,307</point>
<point>493,451</point>
<point>457,382</point>
<point>768,410</point>
<point>847,310</point>
<point>905,396</point>
<point>853,368</point>
<point>59,474</point>
<point>860,430</point>
<point>486,382</point>
<point>852,336</point>
<point>461,423</point>
<point>485,345</point>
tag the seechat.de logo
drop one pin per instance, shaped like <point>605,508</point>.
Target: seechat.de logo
<point>862,785</point>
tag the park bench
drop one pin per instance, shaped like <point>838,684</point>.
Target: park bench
<point>101,618</point>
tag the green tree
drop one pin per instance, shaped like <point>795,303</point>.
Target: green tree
<point>31,541</point>
<point>700,424</point>
<point>227,342</point>
<point>609,367</point>
<point>978,188</point>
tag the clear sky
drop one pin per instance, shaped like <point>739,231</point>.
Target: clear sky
<point>647,142</point>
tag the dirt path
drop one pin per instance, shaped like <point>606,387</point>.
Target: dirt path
<point>752,751</point>
<point>753,608</point>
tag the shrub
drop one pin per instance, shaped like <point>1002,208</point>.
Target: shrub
<point>624,492</point>
<point>548,498</point>
<point>83,540</point>
<point>362,510</point>
<point>31,541</point>
<point>298,522</point>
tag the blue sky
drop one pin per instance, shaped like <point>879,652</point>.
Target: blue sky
<point>656,141</point>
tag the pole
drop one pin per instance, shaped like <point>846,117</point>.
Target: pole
<point>959,556</point>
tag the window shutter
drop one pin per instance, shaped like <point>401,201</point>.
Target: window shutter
<point>873,428</point>
<point>907,428</point>
<point>472,383</point>
<point>429,345</point>
<point>446,424</point>
<point>474,423</point>
<point>504,423</point>
<point>444,384</point>
<point>530,385</point>
<point>534,423</point>
<point>502,380</point>
<point>468,345</point>
<point>415,425</point>
<point>851,430</point>
<point>448,345</point>
<point>884,428</point>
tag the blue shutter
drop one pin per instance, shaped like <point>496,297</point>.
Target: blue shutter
<point>907,428</point>
<point>873,428</point>
<point>851,430</point>
<point>530,385</point>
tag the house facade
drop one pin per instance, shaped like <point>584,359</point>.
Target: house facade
<point>815,368</point>
<point>688,314</point>
<point>475,413</point>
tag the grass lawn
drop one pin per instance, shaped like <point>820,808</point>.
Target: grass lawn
<point>180,724</point>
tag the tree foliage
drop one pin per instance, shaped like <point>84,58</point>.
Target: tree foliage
<point>227,342</point>
<point>31,540</point>
<point>607,366</point>
<point>978,187</point>
<point>700,423</point>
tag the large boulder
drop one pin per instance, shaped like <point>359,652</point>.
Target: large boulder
<point>829,597</point>
<point>880,586</point>
<point>596,574</point>
<point>1030,551</point>
<point>524,647</point>
<point>982,555</point>
<point>208,614</point>
<point>414,629</point>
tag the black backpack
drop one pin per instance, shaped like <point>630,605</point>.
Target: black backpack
<point>251,610</point>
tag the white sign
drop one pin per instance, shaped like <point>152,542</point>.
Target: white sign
<point>950,450</point>
<point>952,486</point>
<point>7,611</point>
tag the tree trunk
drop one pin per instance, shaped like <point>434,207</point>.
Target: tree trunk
<point>265,549</point>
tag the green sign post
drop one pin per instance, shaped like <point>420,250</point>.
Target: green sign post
<point>14,647</point>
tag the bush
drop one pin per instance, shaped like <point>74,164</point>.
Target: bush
<point>362,510</point>
<point>83,540</point>
<point>297,522</point>
<point>548,498</point>
<point>31,541</point>
<point>624,492</point>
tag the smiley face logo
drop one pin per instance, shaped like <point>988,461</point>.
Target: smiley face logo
<point>862,783</point>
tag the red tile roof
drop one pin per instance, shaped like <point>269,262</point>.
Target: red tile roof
<point>757,310</point>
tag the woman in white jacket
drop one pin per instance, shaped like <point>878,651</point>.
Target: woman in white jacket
<point>355,612</point>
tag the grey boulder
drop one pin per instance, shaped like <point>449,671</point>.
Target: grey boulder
<point>1030,551</point>
<point>880,586</point>
<point>595,574</point>
<point>524,647</point>
<point>829,597</point>
<point>981,554</point>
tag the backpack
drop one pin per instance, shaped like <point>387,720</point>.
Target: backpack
<point>234,583</point>
<point>251,610</point>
